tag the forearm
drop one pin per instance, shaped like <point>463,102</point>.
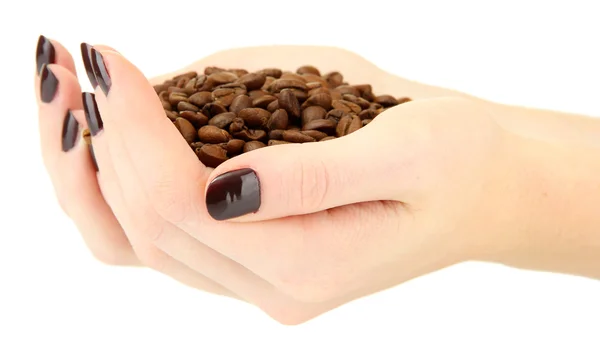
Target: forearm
<point>556,159</point>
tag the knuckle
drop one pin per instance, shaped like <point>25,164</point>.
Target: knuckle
<point>314,182</point>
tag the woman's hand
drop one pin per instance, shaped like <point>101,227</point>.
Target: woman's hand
<point>302,229</point>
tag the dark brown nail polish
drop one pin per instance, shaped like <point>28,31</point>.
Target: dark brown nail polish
<point>86,52</point>
<point>44,54</point>
<point>100,71</point>
<point>69,132</point>
<point>92,114</point>
<point>91,150</point>
<point>48,84</point>
<point>233,194</point>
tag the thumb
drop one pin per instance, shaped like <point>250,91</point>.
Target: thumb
<point>294,179</point>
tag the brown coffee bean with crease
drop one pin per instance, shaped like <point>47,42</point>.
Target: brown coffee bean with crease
<point>321,99</point>
<point>183,106</point>
<point>264,101</point>
<point>253,145</point>
<point>239,103</point>
<point>345,89</point>
<point>278,121</point>
<point>308,69</point>
<point>212,134</point>
<point>212,109</point>
<point>288,101</point>
<point>252,81</point>
<point>255,117</point>
<point>212,155</point>
<point>273,106</point>
<point>196,118</point>
<point>386,100</point>
<point>237,125</point>
<point>335,115</point>
<point>277,142</point>
<point>311,113</point>
<point>235,146</point>
<point>328,138</point>
<point>223,77</point>
<point>362,103</point>
<point>222,120</point>
<point>317,135</point>
<point>281,84</point>
<point>347,107</point>
<point>251,135</point>
<point>171,115</point>
<point>166,105</point>
<point>276,134</point>
<point>176,97</point>
<point>325,125</point>
<point>272,72</point>
<point>187,130</point>
<point>403,100</point>
<point>296,137</point>
<point>367,114</point>
<point>334,79</point>
<point>199,99</point>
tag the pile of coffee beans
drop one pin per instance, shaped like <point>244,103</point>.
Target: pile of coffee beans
<point>222,113</point>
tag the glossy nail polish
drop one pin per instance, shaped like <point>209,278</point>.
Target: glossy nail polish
<point>91,150</point>
<point>86,52</point>
<point>100,71</point>
<point>44,54</point>
<point>233,194</point>
<point>48,84</point>
<point>69,132</point>
<point>92,115</point>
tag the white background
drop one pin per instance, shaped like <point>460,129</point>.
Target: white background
<point>55,297</point>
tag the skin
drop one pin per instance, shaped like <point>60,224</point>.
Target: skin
<point>444,179</point>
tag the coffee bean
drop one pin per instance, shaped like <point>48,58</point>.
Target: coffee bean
<point>365,122</point>
<point>276,134</point>
<point>196,118</point>
<point>186,129</point>
<point>239,103</point>
<point>355,124</point>
<point>343,125</point>
<point>222,120</point>
<point>346,89</point>
<point>347,107</point>
<point>188,75</point>
<point>255,117</point>
<point>301,95</point>
<point>252,81</point>
<point>176,97</point>
<point>212,69</point>
<point>277,142</point>
<point>222,77</point>
<point>317,135</point>
<point>264,101</point>
<point>251,135</point>
<point>212,109</point>
<point>238,72</point>
<point>257,93</point>
<point>386,100</point>
<point>166,105</point>
<point>273,106</point>
<point>268,81</point>
<point>402,100</point>
<point>321,99</point>
<point>288,101</point>
<point>253,145</point>
<point>235,146</point>
<point>327,138</point>
<point>311,113</point>
<point>196,144</point>
<point>334,79</point>
<point>212,155</point>
<point>272,72</point>
<point>171,115</point>
<point>307,69</point>
<point>367,114</point>
<point>183,106</point>
<point>362,103</point>
<point>201,98</point>
<point>175,89</point>
<point>325,125</point>
<point>281,84</point>
<point>212,134</point>
<point>296,137</point>
<point>335,115</point>
<point>203,84</point>
<point>278,120</point>
<point>237,125</point>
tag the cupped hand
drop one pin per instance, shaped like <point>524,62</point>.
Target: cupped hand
<point>295,229</point>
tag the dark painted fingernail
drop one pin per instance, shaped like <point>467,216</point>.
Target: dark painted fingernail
<point>233,194</point>
<point>48,85</point>
<point>92,115</point>
<point>69,132</point>
<point>86,52</point>
<point>44,54</point>
<point>102,75</point>
<point>91,149</point>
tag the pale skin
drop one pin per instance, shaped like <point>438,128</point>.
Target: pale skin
<point>435,182</point>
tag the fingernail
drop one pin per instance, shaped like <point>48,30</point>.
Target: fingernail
<point>48,85</point>
<point>102,75</point>
<point>86,52</point>
<point>44,54</point>
<point>92,115</point>
<point>233,194</point>
<point>91,149</point>
<point>69,132</point>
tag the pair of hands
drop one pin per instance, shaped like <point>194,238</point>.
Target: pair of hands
<point>413,192</point>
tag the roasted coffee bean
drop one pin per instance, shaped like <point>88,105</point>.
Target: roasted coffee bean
<point>273,106</point>
<point>296,137</point>
<point>277,142</point>
<point>278,120</point>
<point>355,124</point>
<point>252,81</point>
<point>222,77</point>
<point>321,99</point>
<point>212,155</point>
<point>253,145</point>
<point>276,134</point>
<point>402,100</point>
<point>281,84</point>
<point>212,69</point>
<point>239,103</point>
<point>257,93</point>
<point>196,144</point>
<point>237,125</point>
<point>190,87</point>
<point>307,69</point>
<point>175,89</point>
<point>251,135</point>
<point>367,114</point>
<point>196,118</point>
<point>203,83</point>
<point>272,72</point>
<point>365,122</point>
<point>326,125</point>
<point>346,89</point>
<point>187,130</point>
<point>235,146</point>
<point>317,135</point>
<point>183,106</point>
<point>264,101</point>
<point>347,107</point>
<point>201,98</point>
<point>166,105</point>
<point>212,134</point>
<point>375,106</point>
<point>334,79</point>
<point>268,83</point>
<point>160,88</point>
<point>311,113</point>
<point>238,72</point>
<point>176,97</point>
<point>343,125</point>
<point>335,115</point>
<point>327,138</point>
<point>212,109</point>
<point>312,85</point>
<point>362,103</point>
<point>386,100</point>
<point>171,115</point>
<point>222,120</point>
<point>288,101</point>
<point>255,117</point>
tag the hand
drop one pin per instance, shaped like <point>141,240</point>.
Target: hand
<point>413,192</point>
